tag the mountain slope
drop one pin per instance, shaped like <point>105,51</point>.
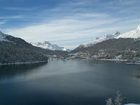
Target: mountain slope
<point>48,45</point>
<point>13,50</point>
<point>3,37</point>
<point>122,48</point>
<point>117,46</point>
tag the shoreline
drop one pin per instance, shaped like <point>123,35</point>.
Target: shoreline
<point>125,61</point>
<point>23,63</point>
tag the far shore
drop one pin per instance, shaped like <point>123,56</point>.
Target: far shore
<point>121,61</point>
<point>125,61</point>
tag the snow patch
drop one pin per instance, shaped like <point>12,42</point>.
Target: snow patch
<point>106,37</point>
<point>131,34</point>
<point>48,45</point>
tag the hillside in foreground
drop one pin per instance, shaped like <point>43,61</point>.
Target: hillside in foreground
<point>16,50</point>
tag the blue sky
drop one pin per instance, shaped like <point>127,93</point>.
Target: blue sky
<point>67,22</point>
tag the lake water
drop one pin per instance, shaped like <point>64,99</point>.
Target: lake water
<point>70,82</point>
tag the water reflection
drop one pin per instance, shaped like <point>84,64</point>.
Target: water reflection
<point>10,71</point>
<point>70,82</point>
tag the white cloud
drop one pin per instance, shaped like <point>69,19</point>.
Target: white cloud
<point>67,28</point>
<point>20,8</point>
<point>11,17</point>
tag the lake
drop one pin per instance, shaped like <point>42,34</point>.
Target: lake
<point>68,82</point>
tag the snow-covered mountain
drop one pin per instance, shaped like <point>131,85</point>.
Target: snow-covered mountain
<point>48,45</point>
<point>131,34</point>
<point>106,37</point>
<point>102,38</point>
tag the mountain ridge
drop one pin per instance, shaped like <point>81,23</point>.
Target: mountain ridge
<point>118,48</point>
<point>134,34</point>
<point>50,46</point>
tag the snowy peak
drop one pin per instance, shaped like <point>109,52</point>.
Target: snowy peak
<point>131,34</point>
<point>48,45</point>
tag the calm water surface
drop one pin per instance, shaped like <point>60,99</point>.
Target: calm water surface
<point>70,82</point>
